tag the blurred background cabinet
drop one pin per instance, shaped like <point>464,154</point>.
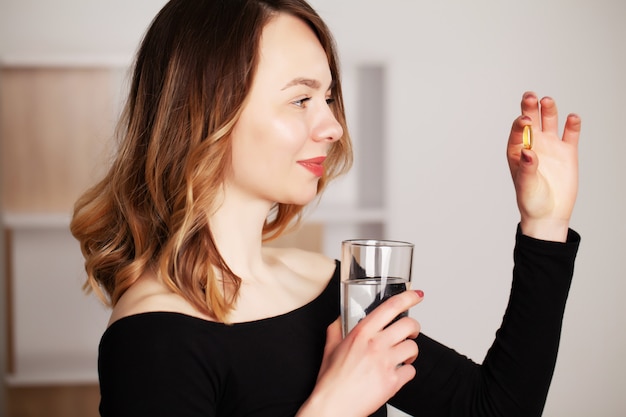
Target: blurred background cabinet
<point>56,122</point>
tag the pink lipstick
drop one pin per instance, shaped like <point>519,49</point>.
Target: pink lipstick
<point>314,165</point>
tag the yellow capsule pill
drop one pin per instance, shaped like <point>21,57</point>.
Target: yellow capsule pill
<point>527,137</point>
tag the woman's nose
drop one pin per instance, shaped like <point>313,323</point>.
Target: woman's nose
<point>327,127</point>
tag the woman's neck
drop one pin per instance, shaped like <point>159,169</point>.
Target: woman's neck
<point>237,227</point>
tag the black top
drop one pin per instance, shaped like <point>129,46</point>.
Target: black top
<point>170,364</point>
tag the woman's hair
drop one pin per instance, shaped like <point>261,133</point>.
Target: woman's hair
<point>192,74</point>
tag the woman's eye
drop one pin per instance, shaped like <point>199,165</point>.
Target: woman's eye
<point>300,102</point>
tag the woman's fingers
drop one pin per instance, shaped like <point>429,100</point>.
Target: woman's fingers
<point>405,374</point>
<point>571,132</point>
<point>399,337</point>
<point>374,360</point>
<point>400,330</point>
<point>530,108</point>
<point>549,116</point>
<point>517,129</point>
<point>388,311</point>
<point>399,350</point>
<point>406,352</point>
<point>544,113</point>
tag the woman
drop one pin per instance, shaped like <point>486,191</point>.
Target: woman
<point>234,122</point>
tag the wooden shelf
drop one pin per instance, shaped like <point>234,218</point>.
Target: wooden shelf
<point>66,61</point>
<point>22,221</point>
<point>56,370</point>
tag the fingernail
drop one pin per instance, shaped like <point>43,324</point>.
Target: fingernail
<point>529,95</point>
<point>526,118</point>
<point>526,158</point>
<point>419,293</point>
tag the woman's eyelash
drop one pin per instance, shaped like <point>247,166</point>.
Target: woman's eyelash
<point>300,102</point>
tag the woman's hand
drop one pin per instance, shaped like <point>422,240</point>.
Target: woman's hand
<point>361,372</point>
<point>546,177</point>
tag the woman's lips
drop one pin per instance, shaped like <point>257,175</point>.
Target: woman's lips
<point>314,165</point>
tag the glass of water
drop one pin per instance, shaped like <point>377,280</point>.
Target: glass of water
<point>372,271</point>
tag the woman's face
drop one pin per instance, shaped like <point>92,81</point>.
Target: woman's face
<point>287,126</point>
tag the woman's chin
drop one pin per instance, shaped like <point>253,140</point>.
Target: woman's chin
<point>302,199</point>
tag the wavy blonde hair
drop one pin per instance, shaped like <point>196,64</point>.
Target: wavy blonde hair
<point>192,74</point>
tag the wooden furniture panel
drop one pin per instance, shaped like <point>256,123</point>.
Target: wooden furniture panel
<point>308,236</point>
<point>53,401</point>
<point>8,273</point>
<point>55,125</point>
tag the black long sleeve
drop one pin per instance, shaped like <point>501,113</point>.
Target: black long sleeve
<point>515,375</point>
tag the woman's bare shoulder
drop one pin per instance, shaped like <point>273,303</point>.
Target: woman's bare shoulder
<point>149,294</point>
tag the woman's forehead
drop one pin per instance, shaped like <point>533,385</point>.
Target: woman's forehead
<point>289,50</point>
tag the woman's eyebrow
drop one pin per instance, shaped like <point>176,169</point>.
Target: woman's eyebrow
<point>309,82</point>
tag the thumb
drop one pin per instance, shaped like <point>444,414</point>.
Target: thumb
<point>527,183</point>
<point>333,336</point>
<point>527,166</point>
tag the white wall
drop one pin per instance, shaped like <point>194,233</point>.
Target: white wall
<point>456,73</point>
<point>69,28</point>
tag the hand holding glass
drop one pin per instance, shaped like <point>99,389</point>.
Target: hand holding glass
<point>371,272</point>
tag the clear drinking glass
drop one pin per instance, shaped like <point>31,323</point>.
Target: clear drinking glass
<point>372,271</point>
